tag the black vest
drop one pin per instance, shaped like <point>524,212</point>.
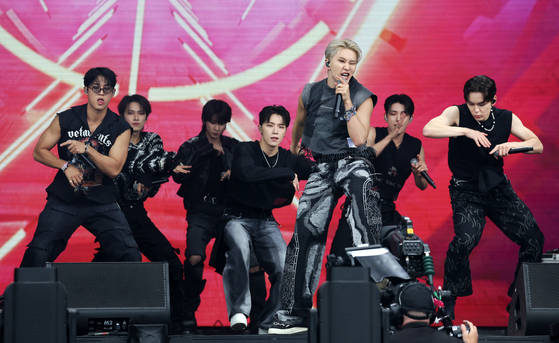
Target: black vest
<point>471,163</point>
<point>96,186</point>
<point>325,135</point>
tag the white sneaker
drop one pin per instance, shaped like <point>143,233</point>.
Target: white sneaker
<point>238,322</point>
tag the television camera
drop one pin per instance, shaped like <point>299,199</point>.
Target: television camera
<point>376,275</point>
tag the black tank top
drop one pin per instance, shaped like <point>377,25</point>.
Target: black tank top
<point>393,165</point>
<point>471,163</point>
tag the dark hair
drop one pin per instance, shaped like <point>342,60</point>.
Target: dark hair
<point>144,103</point>
<point>399,99</point>
<point>483,84</point>
<point>93,73</point>
<point>218,109</point>
<point>267,112</point>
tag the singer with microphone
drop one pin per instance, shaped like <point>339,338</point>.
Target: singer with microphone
<point>479,188</point>
<point>336,139</point>
<point>395,149</point>
<point>80,194</point>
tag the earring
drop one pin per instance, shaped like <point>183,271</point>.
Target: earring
<point>411,118</point>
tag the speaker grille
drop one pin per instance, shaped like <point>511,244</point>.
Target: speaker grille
<point>543,287</point>
<point>114,285</point>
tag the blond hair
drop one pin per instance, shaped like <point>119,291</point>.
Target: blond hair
<point>339,44</point>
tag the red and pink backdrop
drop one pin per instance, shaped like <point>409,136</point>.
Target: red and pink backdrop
<point>253,53</point>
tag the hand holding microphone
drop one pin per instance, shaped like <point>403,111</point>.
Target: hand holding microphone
<point>515,151</point>
<point>338,104</point>
<point>424,173</point>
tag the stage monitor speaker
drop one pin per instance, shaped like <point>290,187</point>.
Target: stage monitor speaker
<point>535,302</point>
<point>35,308</point>
<point>349,307</point>
<point>109,296</point>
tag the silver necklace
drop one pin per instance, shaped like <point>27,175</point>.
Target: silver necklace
<point>266,159</point>
<point>493,126</point>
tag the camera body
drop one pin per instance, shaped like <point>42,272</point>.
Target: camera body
<point>393,266</point>
<point>406,246</point>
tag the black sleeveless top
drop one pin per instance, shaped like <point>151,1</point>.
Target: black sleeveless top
<point>473,164</point>
<point>393,165</point>
<point>325,135</point>
<point>96,187</point>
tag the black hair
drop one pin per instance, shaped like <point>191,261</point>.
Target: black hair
<point>144,104</point>
<point>399,99</point>
<point>483,84</point>
<point>267,112</point>
<point>93,73</point>
<point>218,109</point>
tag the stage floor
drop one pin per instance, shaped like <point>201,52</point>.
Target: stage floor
<point>211,335</point>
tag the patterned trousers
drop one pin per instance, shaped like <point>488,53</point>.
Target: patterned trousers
<point>506,210</point>
<point>305,251</point>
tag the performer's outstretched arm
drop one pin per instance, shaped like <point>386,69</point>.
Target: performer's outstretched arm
<point>527,137</point>
<point>298,126</point>
<point>446,125</point>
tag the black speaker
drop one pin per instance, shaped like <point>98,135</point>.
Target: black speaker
<point>535,301</point>
<point>109,296</point>
<point>35,308</point>
<point>349,307</point>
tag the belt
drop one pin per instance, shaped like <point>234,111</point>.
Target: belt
<point>212,200</point>
<point>261,216</point>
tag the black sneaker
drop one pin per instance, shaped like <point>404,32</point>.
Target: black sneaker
<point>287,324</point>
<point>279,328</point>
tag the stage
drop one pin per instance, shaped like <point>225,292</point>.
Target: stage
<point>212,335</point>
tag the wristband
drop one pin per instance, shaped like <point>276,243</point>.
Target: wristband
<point>65,166</point>
<point>349,113</point>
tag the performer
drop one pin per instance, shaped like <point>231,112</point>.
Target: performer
<point>264,176</point>
<point>395,149</point>
<point>82,193</point>
<point>337,142</point>
<point>146,166</point>
<point>203,167</point>
<point>479,187</point>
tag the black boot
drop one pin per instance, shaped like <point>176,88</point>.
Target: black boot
<point>449,305</point>
<point>193,287</point>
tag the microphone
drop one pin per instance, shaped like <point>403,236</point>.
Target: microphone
<point>86,160</point>
<point>338,103</point>
<point>516,150</point>
<point>424,174</point>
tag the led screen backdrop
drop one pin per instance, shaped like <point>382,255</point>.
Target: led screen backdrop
<point>254,53</point>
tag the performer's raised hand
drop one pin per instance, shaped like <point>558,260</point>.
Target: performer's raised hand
<point>479,137</point>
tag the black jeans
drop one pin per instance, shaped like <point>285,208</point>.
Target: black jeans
<point>59,220</point>
<point>469,210</point>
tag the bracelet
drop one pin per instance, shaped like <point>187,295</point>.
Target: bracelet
<point>87,144</point>
<point>65,166</point>
<point>350,113</point>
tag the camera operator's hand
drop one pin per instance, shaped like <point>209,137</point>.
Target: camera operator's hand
<point>471,336</point>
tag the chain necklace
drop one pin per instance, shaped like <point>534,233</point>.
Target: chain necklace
<point>266,159</point>
<point>493,126</point>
